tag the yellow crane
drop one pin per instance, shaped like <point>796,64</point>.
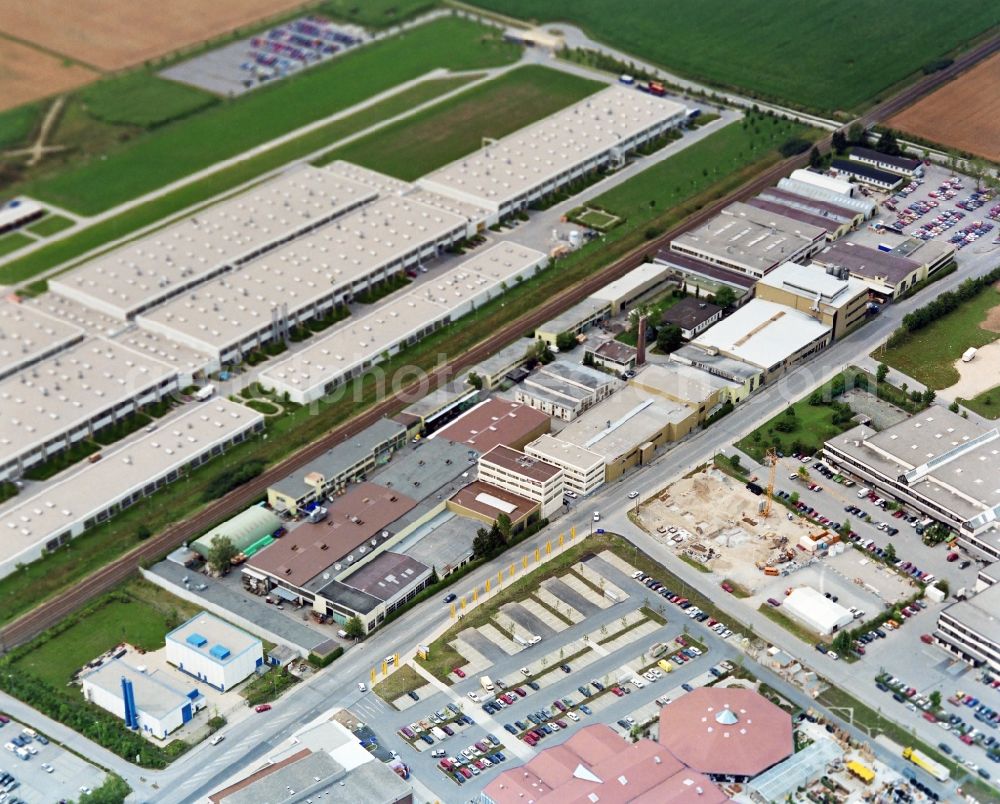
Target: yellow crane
<point>771,459</point>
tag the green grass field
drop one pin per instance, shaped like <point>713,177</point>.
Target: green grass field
<point>13,241</point>
<point>142,99</point>
<point>142,619</point>
<point>928,355</point>
<point>175,150</point>
<point>986,404</point>
<point>666,183</point>
<point>824,55</point>
<point>50,225</point>
<point>455,127</point>
<point>223,181</point>
<point>376,13</point>
<point>17,125</point>
<point>596,219</point>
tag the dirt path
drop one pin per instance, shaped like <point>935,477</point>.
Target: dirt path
<point>38,148</point>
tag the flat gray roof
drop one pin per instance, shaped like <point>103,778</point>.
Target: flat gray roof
<point>506,357</point>
<point>155,692</point>
<point>159,265</point>
<point>27,335</point>
<point>980,613</point>
<point>809,190</point>
<point>60,393</point>
<point>683,382</point>
<point>749,236</point>
<point>443,543</point>
<point>428,468</point>
<point>343,456</point>
<point>563,453</point>
<point>763,333</point>
<point>870,262</point>
<point>364,339</point>
<point>813,283</point>
<point>689,312</point>
<point>36,519</point>
<point>817,206</point>
<point>635,415</point>
<point>302,273</point>
<point>569,320</point>
<point>729,367</point>
<point>205,634</point>
<point>950,460</point>
<point>439,398</point>
<point>538,154</point>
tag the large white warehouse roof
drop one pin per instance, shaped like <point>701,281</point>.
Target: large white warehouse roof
<point>538,154</point>
<point>27,335</point>
<point>141,274</point>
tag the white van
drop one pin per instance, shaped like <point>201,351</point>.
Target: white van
<point>863,492</point>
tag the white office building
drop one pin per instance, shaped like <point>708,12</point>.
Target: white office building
<point>213,651</point>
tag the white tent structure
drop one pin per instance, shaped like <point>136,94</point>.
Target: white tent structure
<point>816,612</point>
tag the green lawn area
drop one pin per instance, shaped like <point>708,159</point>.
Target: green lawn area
<point>229,128</point>
<point>223,181</point>
<point>376,13</point>
<point>142,99</point>
<point>140,614</point>
<point>42,579</point>
<point>17,125</point>
<point>399,683</point>
<point>455,127</point>
<point>672,180</point>
<point>824,55</point>
<point>928,355</point>
<point>13,241</point>
<point>50,225</point>
<point>986,404</point>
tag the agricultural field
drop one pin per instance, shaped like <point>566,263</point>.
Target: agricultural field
<point>671,181</point>
<point>825,55</point>
<point>28,74</point>
<point>219,183</point>
<point>376,13</point>
<point>455,127</point>
<point>172,151</point>
<point>929,355</point>
<point>963,115</point>
<point>143,100</point>
<point>113,36</point>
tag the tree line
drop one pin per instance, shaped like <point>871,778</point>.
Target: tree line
<point>945,303</point>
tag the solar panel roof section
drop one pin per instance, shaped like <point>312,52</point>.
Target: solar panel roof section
<point>147,271</point>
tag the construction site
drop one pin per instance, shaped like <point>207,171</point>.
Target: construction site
<point>716,520</point>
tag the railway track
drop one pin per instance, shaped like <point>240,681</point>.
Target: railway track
<point>49,612</point>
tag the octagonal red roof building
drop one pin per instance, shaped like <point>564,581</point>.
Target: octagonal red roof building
<point>726,731</point>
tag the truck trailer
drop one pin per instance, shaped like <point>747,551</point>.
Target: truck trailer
<point>921,760</point>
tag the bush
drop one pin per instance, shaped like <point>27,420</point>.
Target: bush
<point>324,661</point>
<point>793,146</point>
<point>225,483</point>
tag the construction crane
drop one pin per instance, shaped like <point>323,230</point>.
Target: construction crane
<point>771,459</point>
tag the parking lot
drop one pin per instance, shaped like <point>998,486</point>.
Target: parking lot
<point>616,665</point>
<point>38,771</point>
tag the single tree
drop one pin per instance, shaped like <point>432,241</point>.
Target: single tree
<point>815,160</point>
<point>221,553</point>
<point>856,134</point>
<point>839,141</point>
<point>504,525</point>
<point>475,381</point>
<point>890,553</point>
<point>565,341</point>
<point>928,396</point>
<point>725,296</point>
<point>935,698</point>
<point>734,461</point>
<point>887,143</point>
<point>354,628</point>
<point>669,338</point>
<point>881,372</point>
<point>793,497</point>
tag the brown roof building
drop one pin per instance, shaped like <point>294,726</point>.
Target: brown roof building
<point>726,731</point>
<point>596,765</point>
<point>354,519</point>
<point>692,315</point>
<point>496,421</point>
<point>484,502</point>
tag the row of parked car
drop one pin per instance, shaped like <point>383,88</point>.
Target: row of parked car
<point>478,757</point>
<point>443,722</point>
<point>681,602</point>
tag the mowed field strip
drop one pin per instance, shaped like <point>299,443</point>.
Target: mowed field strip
<point>27,74</point>
<point>230,128</point>
<point>456,127</point>
<point>964,115</point>
<point>824,55</point>
<point>118,34</point>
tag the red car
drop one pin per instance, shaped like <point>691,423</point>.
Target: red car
<point>927,639</point>
<point>520,692</point>
<point>458,671</point>
<point>952,557</point>
<point>617,691</point>
<point>262,708</point>
<point>929,716</point>
<point>727,587</point>
<point>466,773</point>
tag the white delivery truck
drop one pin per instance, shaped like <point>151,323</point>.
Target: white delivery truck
<point>486,683</point>
<point>968,354</point>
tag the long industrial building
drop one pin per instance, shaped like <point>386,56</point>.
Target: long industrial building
<point>970,630</point>
<point>148,271</point>
<point>65,510</point>
<point>507,175</point>
<point>306,279</point>
<point>65,398</point>
<point>28,336</point>
<point>750,241</point>
<point>356,345</point>
<point>939,463</point>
